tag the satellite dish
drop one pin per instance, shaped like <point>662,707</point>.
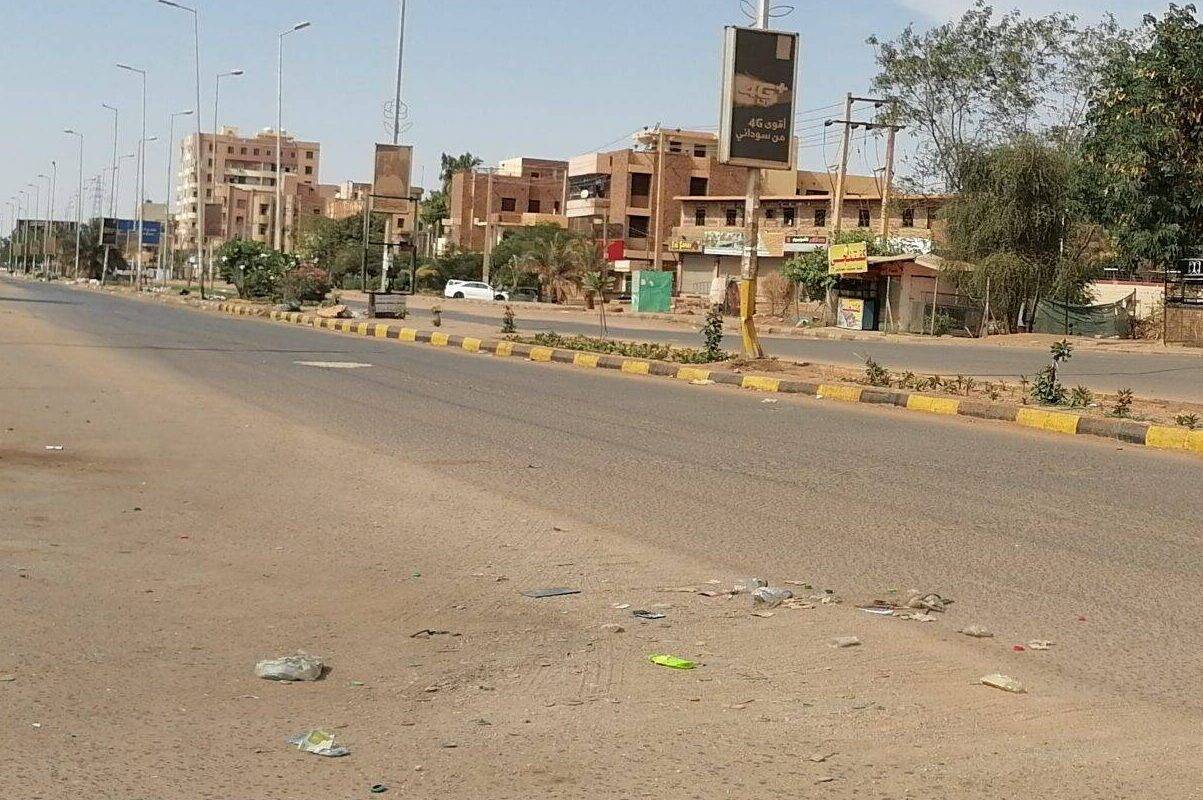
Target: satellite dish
<point>584,194</point>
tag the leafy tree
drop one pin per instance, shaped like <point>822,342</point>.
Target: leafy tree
<point>463,265</point>
<point>557,263</point>
<point>336,245</point>
<point>91,252</point>
<point>1015,221</point>
<point>1144,136</point>
<point>976,81</point>
<point>433,210</point>
<point>809,270</point>
<point>511,257</point>
<point>255,269</point>
<point>449,165</point>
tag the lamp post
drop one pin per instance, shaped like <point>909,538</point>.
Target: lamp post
<point>37,208</point>
<point>79,195</point>
<point>113,166</point>
<point>200,216</point>
<point>278,238</point>
<point>22,198</point>
<point>170,147</point>
<point>49,216</point>
<point>141,163</point>
<point>13,212</point>
<point>217,94</point>
<point>140,204</point>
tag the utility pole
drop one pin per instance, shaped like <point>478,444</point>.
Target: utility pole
<point>279,232</point>
<point>386,252</point>
<point>887,179</point>
<point>837,206</point>
<point>850,125</point>
<point>657,258</point>
<point>750,261</point>
<point>488,259</point>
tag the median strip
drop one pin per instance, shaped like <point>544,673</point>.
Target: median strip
<point>1124,430</point>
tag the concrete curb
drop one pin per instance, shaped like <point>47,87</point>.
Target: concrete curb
<point>1128,431</point>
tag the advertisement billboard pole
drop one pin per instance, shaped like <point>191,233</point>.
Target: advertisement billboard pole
<point>756,130</point>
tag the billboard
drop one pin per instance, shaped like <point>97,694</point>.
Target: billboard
<point>390,179</point>
<point>116,231</point>
<point>756,123</point>
<point>844,259</point>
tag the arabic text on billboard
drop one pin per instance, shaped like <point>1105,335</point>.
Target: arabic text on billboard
<point>843,259</point>
<point>757,125</point>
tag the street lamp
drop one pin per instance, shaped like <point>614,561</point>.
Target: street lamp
<point>37,207</point>
<point>141,163</point>
<point>200,222</point>
<point>79,194</point>
<point>170,148</point>
<point>113,188</point>
<point>217,93</point>
<point>279,232</point>
<point>49,215</point>
<point>22,199</point>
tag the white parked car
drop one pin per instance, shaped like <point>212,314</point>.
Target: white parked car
<point>473,290</point>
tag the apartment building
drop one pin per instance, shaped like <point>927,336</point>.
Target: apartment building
<point>484,204</point>
<point>238,187</point>
<point>710,233</point>
<point>633,195</point>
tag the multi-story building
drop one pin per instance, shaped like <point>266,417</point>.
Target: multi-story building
<point>484,204</point>
<point>238,187</point>
<point>710,234</point>
<point>633,194</point>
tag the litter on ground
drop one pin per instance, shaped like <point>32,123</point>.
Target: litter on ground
<point>300,667</point>
<point>1004,682</point>
<point>977,632</point>
<point>672,662</point>
<point>641,614</point>
<point>558,591</point>
<point>320,743</point>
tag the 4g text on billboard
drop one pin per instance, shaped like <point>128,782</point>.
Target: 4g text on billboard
<point>756,128</point>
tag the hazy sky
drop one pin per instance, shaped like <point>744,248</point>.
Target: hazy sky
<point>543,78</point>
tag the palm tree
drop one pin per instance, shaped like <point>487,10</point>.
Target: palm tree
<point>449,165</point>
<point>596,283</point>
<point>556,264</point>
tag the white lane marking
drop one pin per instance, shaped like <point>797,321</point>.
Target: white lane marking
<point>332,364</point>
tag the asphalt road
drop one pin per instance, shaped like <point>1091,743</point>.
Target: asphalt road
<point>1170,376</point>
<point>1015,525</point>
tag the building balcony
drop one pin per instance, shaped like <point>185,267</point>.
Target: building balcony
<point>588,207</point>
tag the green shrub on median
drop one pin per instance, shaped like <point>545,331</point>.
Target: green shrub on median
<point>648,350</point>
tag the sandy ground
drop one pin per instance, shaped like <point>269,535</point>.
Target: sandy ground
<point>180,535</point>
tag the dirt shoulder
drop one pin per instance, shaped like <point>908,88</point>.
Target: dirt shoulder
<point>182,534</point>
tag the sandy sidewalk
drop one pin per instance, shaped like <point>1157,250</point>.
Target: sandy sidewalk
<point>182,534</point>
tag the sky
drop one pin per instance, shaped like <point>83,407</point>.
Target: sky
<point>498,78</point>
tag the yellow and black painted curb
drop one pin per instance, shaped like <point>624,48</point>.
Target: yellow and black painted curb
<point>1124,430</point>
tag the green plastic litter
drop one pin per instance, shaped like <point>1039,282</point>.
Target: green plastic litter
<point>672,661</point>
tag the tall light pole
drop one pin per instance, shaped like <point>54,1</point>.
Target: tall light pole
<point>140,202</point>
<point>49,212</point>
<point>397,94</point>
<point>170,147</point>
<point>278,238</point>
<point>79,196</point>
<point>113,188</point>
<point>37,208</point>
<point>141,163</point>
<point>12,209</point>
<point>22,198</point>
<point>217,94</point>
<point>200,215</point>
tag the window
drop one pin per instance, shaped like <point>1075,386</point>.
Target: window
<point>267,152</point>
<point>509,203</point>
<point>556,207</point>
<point>698,187</point>
<point>242,151</point>
<point>308,170</point>
<point>908,217</point>
<point>210,163</point>
<point>931,217</point>
<point>262,229</point>
<point>788,216</point>
<point>862,218</point>
<point>256,151</point>
<point>732,216</point>
<point>208,194</point>
<point>820,218</point>
<point>293,154</point>
<point>309,155</point>
<point>238,221</point>
<point>534,174</point>
<point>532,206</point>
<point>240,204</point>
<point>699,150</point>
<point>641,188</point>
<point>699,217</point>
<point>637,227</point>
<point>230,149</point>
<point>210,147</point>
<point>770,214</point>
<point>674,147</point>
<point>263,208</point>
